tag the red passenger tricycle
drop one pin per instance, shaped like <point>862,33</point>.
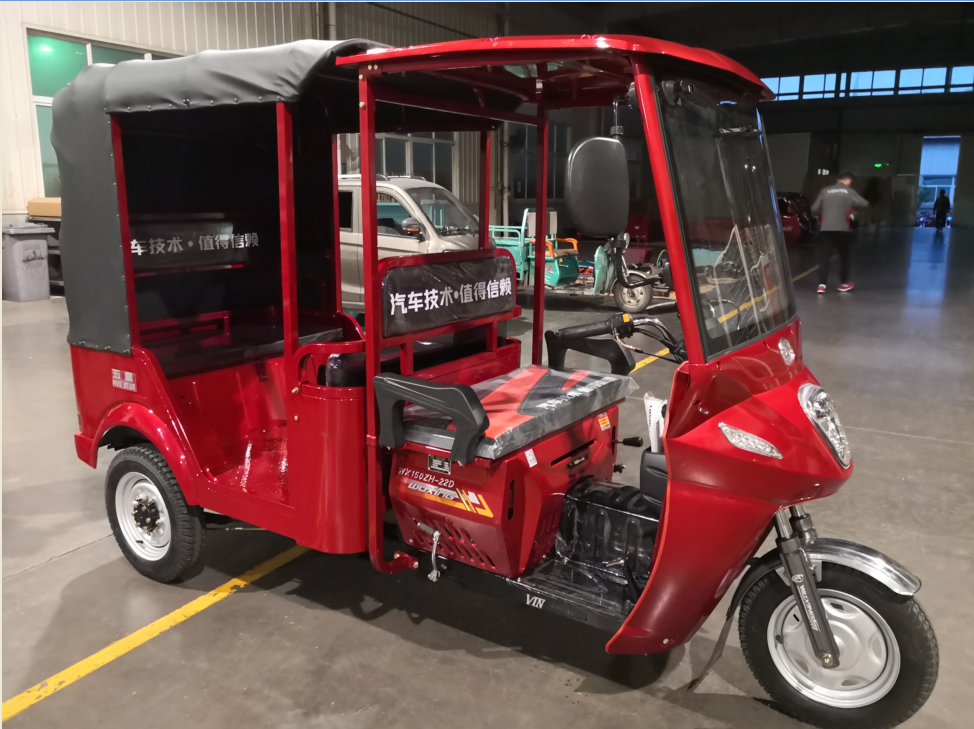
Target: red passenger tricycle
<point>200,239</point>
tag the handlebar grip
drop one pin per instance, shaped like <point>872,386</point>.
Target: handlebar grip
<point>582,331</point>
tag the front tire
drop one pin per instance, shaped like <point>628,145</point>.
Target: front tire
<point>888,656</point>
<point>158,532</point>
<point>632,301</point>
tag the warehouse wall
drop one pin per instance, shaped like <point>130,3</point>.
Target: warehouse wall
<point>166,27</point>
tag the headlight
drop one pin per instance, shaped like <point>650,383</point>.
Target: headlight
<point>820,409</point>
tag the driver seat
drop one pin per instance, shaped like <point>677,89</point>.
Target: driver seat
<point>522,407</point>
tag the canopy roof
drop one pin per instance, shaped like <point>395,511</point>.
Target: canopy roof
<point>575,70</point>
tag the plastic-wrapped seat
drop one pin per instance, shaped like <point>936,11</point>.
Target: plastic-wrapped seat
<point>523,406</point>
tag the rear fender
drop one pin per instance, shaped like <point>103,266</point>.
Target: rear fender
<point>143,421</point>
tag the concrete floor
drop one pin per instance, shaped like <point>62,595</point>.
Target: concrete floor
<point>327,642</point>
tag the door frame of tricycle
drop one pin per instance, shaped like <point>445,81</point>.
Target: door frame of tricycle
<point>369,94</point>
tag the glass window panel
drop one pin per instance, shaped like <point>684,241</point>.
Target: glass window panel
<point>911,77</point>
<point>830,82</point>
<point>52,180</point>
<point>53,63</point>
<point>389,214</point>
<point>814,83</point>
<point>909,91</point>
<point>883,93</point>
<point>787,97</point>
<point>518,137</point>
<point>380,167</point>
<point>861,80</point>
<point>103,54</point>
<point>531,175</point>
<point>444,166</point>
<point>395,157</point>
<point>860,93</point>
<point>934,90</point>
<point>345,209</point>
<point>444,135</point>
<point>425,135</point>
<point>934,76</point>
<point>812,96</point>
<point>519,169</point>
<point>961,88</point>
<point>771,83</point>
<point>561,139</point>
<point>788,85</point>
<point>842,83</point>
<point>962,75</point>
<point>884,79</point>
<point>423,160</point>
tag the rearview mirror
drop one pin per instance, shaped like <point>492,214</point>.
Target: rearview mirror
<point>597,187</point>
<point>411,226</point>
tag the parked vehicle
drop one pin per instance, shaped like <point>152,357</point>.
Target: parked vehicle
<point>796,217</point>
<point>209,349</point>
<point>414,217</point>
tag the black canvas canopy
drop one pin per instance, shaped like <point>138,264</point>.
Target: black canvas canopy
<point>90,239</point>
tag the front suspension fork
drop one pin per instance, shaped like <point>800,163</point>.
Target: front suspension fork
<point>793,534</point>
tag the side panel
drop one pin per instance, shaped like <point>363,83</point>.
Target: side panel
<point>114,390</point>
<point>327,468</point>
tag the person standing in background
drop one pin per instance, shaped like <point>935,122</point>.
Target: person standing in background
<point>941,206</point>
<point>834,207</point>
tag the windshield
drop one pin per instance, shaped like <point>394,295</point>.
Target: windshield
<point>726,199</point>
<point>443,210</point>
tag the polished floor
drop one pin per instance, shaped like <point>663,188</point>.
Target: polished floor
<point>327,642</point>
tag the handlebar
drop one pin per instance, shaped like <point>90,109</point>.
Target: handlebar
<point>623,324</point>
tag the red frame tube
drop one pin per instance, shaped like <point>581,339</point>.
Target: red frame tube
<point>649,110</point>
<point>485,148</point>
<point>540,232</point>
<point>337,253</point>
<point>375,498</point>
<point>123,224</point>
<point>289,274</point>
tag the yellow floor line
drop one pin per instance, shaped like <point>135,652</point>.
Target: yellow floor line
<point>650,360</point>
<point>68,676</point>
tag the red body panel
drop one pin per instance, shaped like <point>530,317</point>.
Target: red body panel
<point>505,513</point>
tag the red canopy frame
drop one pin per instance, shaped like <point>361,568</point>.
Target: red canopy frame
<point>555,72</point>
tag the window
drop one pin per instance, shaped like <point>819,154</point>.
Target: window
<point>54,62</point>
<point>524,160</point>
<point>345,209</point>
<point>873,83</point>
<point>420,154</point>
<point>389,215</point>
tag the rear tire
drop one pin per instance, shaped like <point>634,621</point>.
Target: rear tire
<point>890,651</point>
<point>632,301</point>
<point>158,532</point>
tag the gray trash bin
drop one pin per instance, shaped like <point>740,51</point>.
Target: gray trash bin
<point>25,276</point>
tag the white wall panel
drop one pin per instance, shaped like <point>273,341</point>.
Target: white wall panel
<point>165,27</point>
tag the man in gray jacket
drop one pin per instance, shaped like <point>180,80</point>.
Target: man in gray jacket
<point>834,207</point>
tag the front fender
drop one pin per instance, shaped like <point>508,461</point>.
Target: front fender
<point>142,420</point>
<point>867,560</point>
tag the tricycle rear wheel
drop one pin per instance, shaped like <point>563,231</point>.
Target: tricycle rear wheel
<point>888,656</point>
<point>158,532</point>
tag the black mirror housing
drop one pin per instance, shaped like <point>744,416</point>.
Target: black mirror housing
<point>412,226</point>
<point>597,187</point>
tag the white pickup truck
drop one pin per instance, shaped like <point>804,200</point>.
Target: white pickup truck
<point>414,217</point>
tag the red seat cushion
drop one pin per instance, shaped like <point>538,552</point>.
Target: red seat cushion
<point>523,406</point>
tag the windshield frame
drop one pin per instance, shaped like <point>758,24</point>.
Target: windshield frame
<point>413,193</point>
<point>709,351</point>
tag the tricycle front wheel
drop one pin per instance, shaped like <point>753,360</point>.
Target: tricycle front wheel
<point>632,301</point>
<point>888,656</point>
<point>158,532</point>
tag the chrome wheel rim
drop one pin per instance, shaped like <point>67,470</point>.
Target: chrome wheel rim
<point>138,501</point>
<point>869,656</point>
<point>634,297</point>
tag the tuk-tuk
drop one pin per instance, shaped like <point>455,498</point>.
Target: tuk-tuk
<point>200,241</point>
<point>561,254</point>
